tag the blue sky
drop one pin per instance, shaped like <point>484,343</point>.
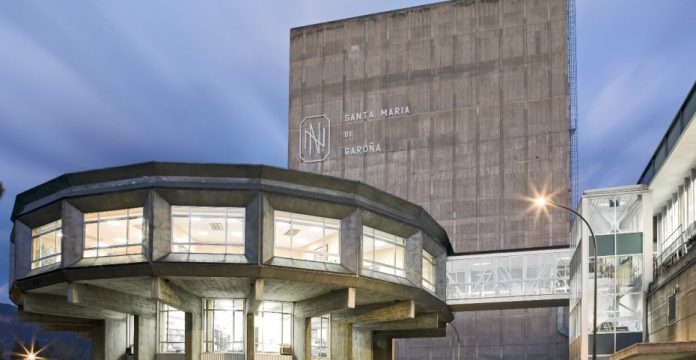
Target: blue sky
<point>94,84</point>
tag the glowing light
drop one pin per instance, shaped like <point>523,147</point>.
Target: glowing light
<point>540,201</point>
<point>30,353</point>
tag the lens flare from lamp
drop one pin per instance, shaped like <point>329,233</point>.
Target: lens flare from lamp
<point>540,201</point>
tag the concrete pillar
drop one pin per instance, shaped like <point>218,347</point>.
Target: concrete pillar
<point>250,337</point>
<point>145,337</point>
<point>109,340</point>
<point>362,343</point>
<point>267,230</point>
<point>253,229</point>
<point>72,243</point>
<point>157,229</point>
<point>351,241</point>
<point>413,261</point>
<point>341,341</point>
<point>382,348</point>
<point>21,234</point>
<point>301,339</point>
<point>193,336</point>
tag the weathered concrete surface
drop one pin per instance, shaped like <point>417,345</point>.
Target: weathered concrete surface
<point>486,86</point>
<point>73,234</point>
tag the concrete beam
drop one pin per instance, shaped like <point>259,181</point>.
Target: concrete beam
<point>173,295</point>
<point>58,306</point>
<point>97,297</point>
<point>338,300</point>
<point>44,319</point>
<point>401,310</point>
<point>255,296</point>
<point>428,321</point>
<point>418,333</point>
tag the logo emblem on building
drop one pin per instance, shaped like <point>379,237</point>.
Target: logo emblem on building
<point>315,138</point>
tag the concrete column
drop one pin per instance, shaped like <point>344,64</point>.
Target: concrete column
<point>145,337</point>
<point>441,276</point>
<point>250,337</point>
<point>157,230</point>
<point>382,348</point>
<point>301,339</point>
<point>21,234</point>
<point>109,340</point>
<point>341,341</point>
<point>267,230</point>
<point>253,229</point>
<point>351,241</point>
<point>193,336</point>
<point>73,227</point>
<point>362,343</point>
<point>413,261</point>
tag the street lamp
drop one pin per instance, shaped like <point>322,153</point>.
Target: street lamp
<point>543,202</point>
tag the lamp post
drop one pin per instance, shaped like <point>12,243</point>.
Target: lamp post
<point>543,202</point>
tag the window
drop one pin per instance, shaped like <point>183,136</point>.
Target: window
<point>428,271</point>
<point>320,336</point>
<point>207,230</point>
<point>383,252</point>
<point>45,245</point>
<point>307,237</point>
<point>171,329</point>
<point>113,233</point>
<point>224,325</point>
<point>273,325</point>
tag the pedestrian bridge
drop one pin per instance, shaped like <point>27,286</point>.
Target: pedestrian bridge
<point>508,280</point>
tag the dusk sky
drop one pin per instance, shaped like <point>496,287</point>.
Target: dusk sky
<point>87,85</point>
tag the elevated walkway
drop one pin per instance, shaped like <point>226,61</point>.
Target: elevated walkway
<point>509,280</point>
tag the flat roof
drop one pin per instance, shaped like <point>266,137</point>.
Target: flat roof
<point>657,351</point>
<point>672,135</point>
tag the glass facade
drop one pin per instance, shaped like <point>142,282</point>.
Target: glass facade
<point>207,230</point>
<point>46,245</point>
<point>383,252</point>
<point>320,336</point>
<point>113,233</point>
<point>307,237</point>
<point>428,271</point>
<point>273,326</point>
<point>508,274</point>
<point>224,322</point>
<point>676,222</point>
<point>171,327</point>
<point>622,252</point>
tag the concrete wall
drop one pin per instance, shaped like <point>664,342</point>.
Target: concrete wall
<point>485,83</point>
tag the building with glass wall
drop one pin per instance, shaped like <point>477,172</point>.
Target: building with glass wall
<point>201,261</point>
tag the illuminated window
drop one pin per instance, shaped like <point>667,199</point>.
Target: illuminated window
<point>113,233</point>
<point>320,336</point>
<point>45,245</point>
<point>383,252</point>
<point>207,230</point>
<point>273,325</point>
<point>428,271</point>
<point>224,325</point>
<point>307,237</point>
<point>171,329</point>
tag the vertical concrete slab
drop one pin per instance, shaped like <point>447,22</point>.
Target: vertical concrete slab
<point>267,230</point>
<point>441,276</point>
<point>22,249</point>
<point>351,241</point>
<point>414,258</point>
<point>341,341</point>
<point>145,337</point>
<point>253,229</point>
<point>194,329</point>
<point>362,344</point>
<point>250,335</point>
<point>109,341</point>
<point>382,348</point>
<point>157,229</point>
<point>73,227</point>
<point>302,333</point>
